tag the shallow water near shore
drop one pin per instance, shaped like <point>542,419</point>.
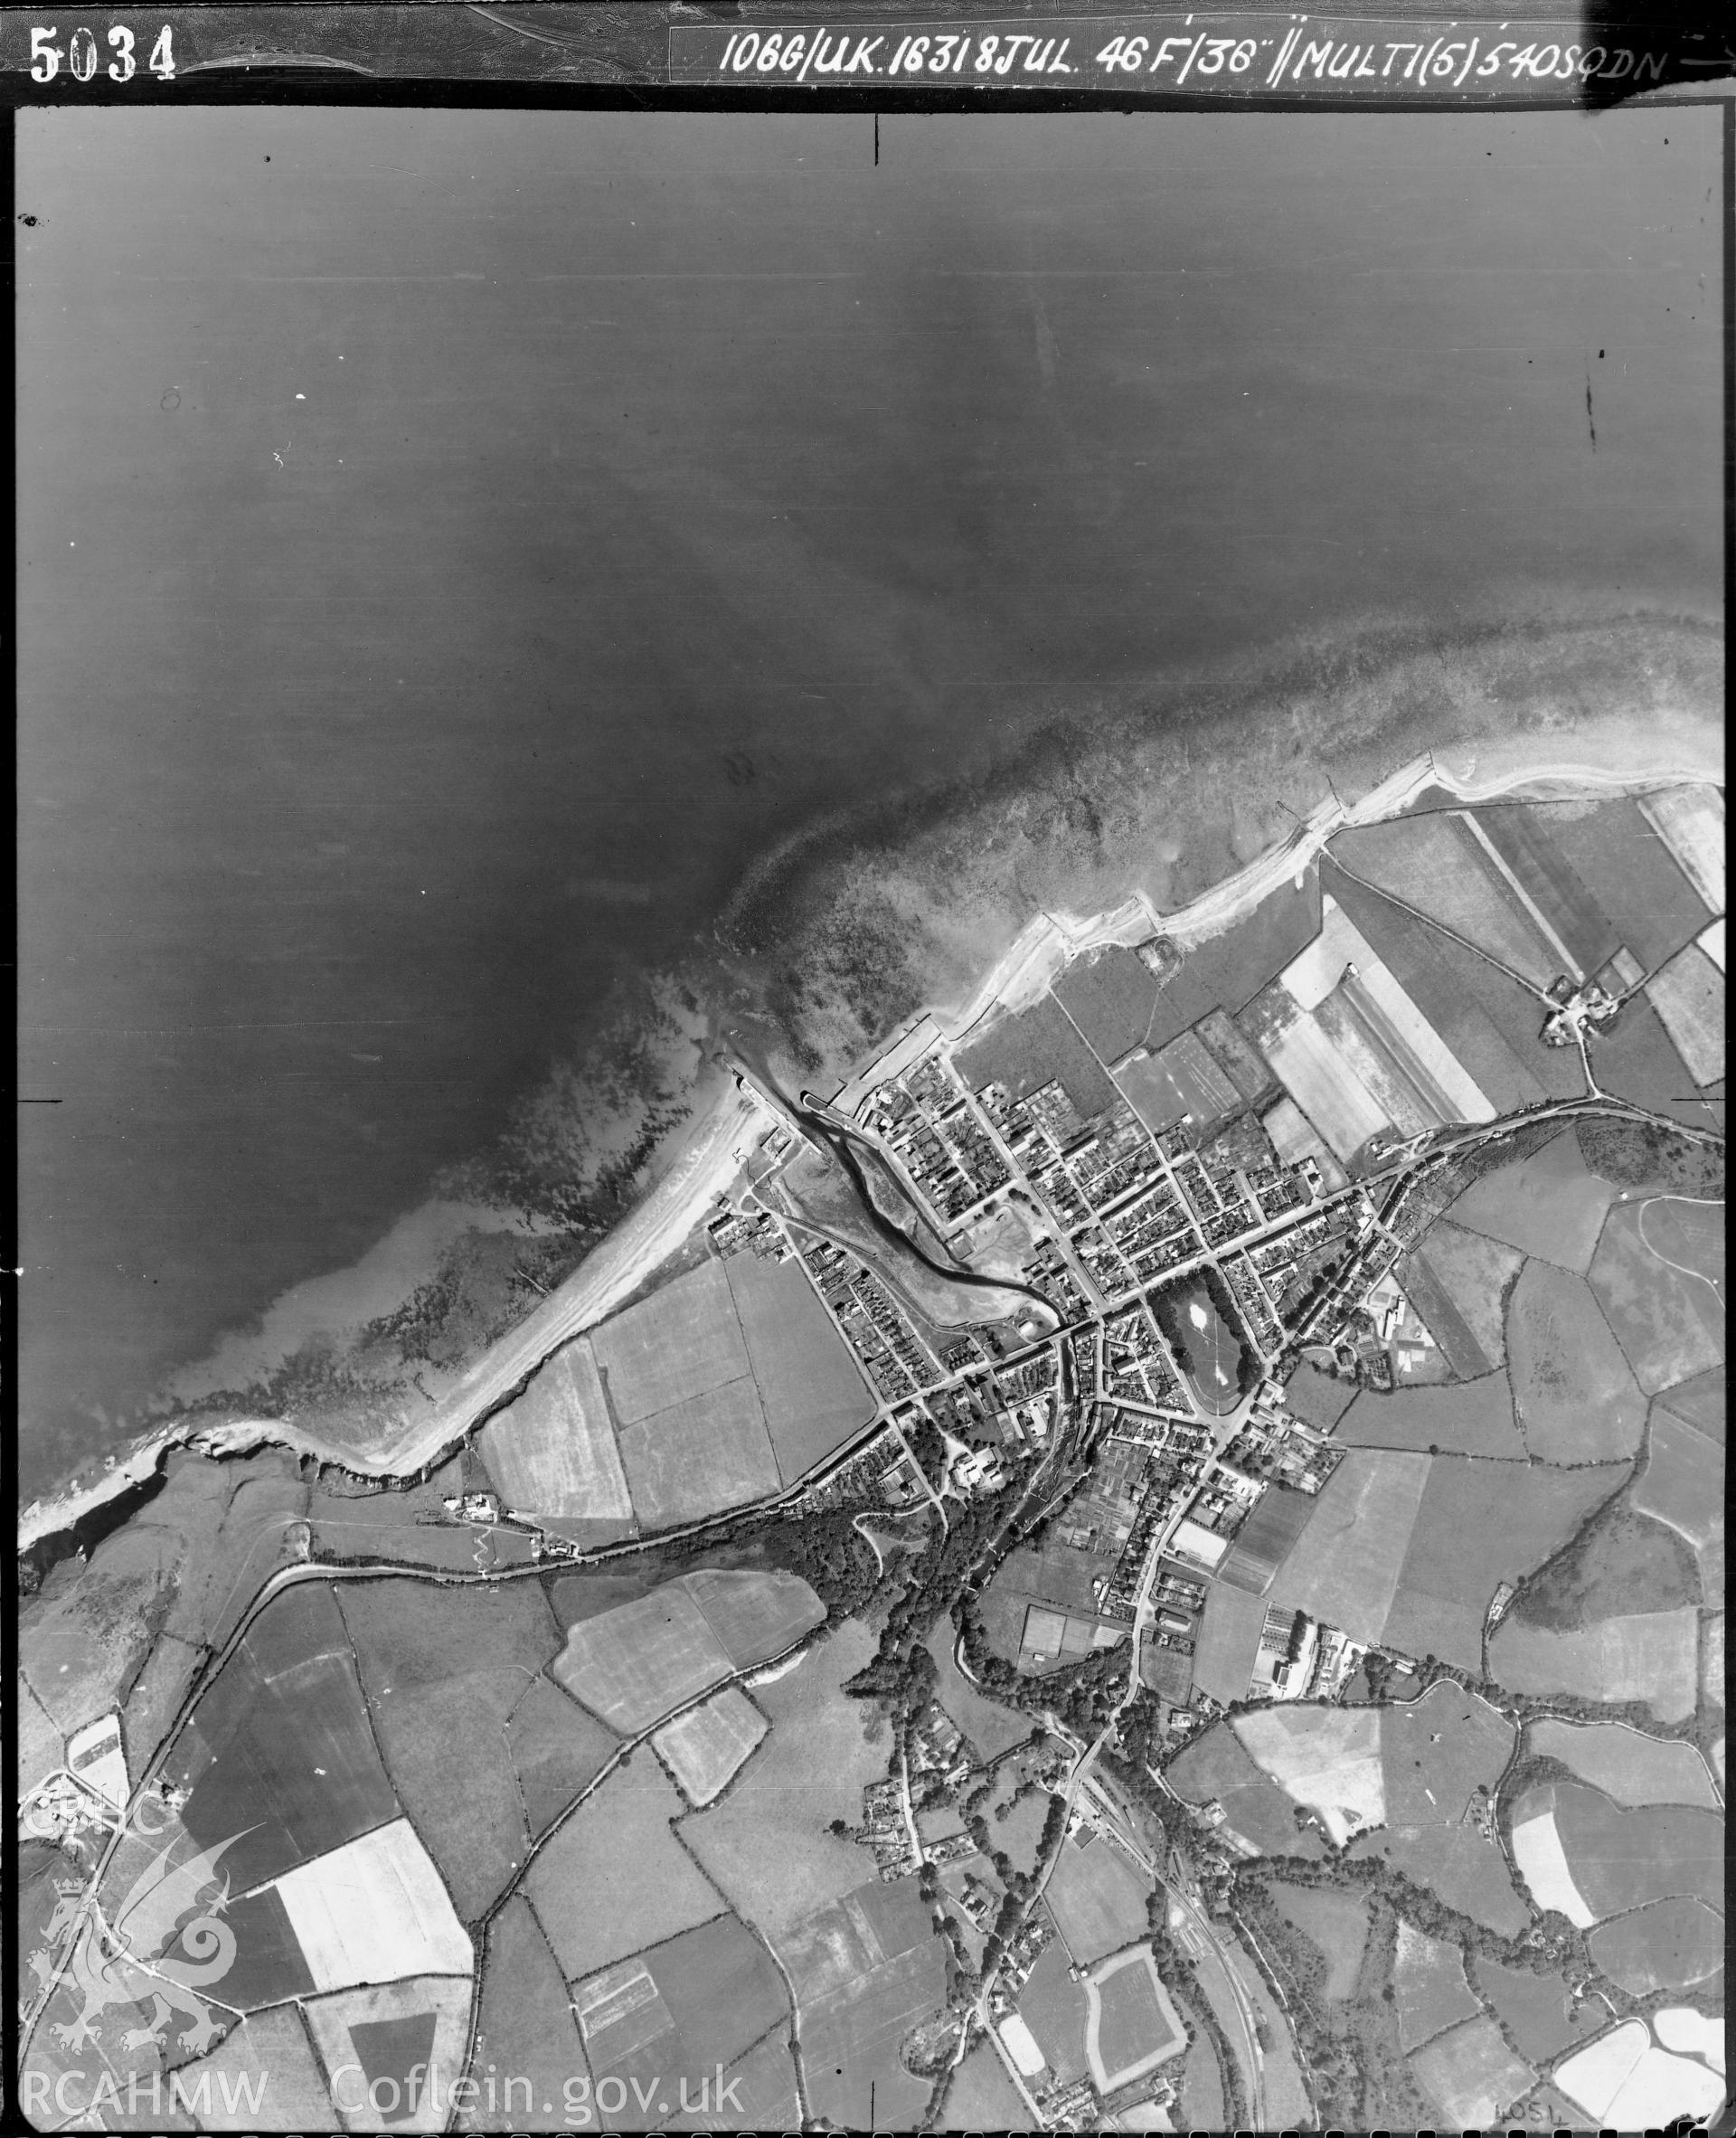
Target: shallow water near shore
<point>429,611</point>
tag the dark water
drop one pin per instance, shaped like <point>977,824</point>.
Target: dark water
<point>660,484</point>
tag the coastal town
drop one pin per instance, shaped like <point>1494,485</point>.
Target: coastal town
<point>1144,1460</point>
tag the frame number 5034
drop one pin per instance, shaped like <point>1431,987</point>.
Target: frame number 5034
<point>82,57</point>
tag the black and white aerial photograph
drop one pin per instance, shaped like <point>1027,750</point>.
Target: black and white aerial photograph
<point>871,1016</point>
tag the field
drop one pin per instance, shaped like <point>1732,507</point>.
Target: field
<point>1054,2007</point>
<point>990,1727</point>
<point>1701,1402</point>
<point>1550,1205</point>
<point>271,2053</point>
<point>1201,2104</point>
<point>697,1457</point>
<point>1683,1482</point>
<point>680,2013</point>
<point>1467,1418</point>
<point>631,1665</point>
<point>1096,1899</point>
<point>1650,1656</point>
<point>1622,1860</point>
<point>1429,1987</point>
<point>1326,1759</point>
<point>379,2034</point>
<point>1227,1641</point>
<point>1471,2074</point>
<point>280,1750</point>
<point>442,1669</point>
<point>1031,1049</point>
<point>1624,2082</point>
<point>1543,1861</point>
<point>1179,1080</point>
<point>1669,1324</point>
<point>766,1844</point>
<point>1487,1020</point>
<point>1462,1355</point>
<point>1620,1563</point>
<point>1134,2026</point>
<point>1651,904</point>
<point>1318,1399</point>
<point>1216,1765</point>
<point>1315,1072</point>
<point>1670,1945</point>
<point>613,1879</point>
<point>675,1345</point>
<point>1535,2007</point>
<point>706,1748</point>
<point>552,1450</point>
<point>982,2097</point>
<point>1690,820</point>
<point>1438,1751</point>
<point>1207,1348</point>
<point>373,1909</point>
<point>1457,1864</point>
<point>1358,1538</point>
<point>1688,996</point>
<point>1480,1524</point>
<point>755,1615</point>
<point>764,2084</point>
<point>556,1748</point>
<point>525,2027</point>
<point>1263,1542</point>
<point>1575,1398</point>
<point>866,1969</point>
<point>1522,838</point>
<point>1434,863</point>
<point>1625,1764</point>
<point>813,1396</point>
<point>1474,1272</point>
<point>1335,1923</point>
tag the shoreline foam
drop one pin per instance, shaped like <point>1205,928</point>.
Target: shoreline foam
<point>707,1152</point>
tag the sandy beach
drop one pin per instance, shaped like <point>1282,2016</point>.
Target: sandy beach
<point>705,1155</point>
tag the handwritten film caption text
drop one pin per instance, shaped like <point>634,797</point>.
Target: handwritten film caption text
<point>1246,60</point>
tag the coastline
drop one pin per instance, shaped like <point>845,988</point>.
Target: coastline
<point>699,1162</point>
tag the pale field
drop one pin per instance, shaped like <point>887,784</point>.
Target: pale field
<point>1542,1864</point>
<point>553,1452</point>
<point>373,1910</point>
<point>1650,1656</point>
<point>708,1746</point>
<point>1327,1758</point>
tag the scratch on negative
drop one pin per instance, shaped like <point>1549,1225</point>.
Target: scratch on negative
<point>1590,424</point>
